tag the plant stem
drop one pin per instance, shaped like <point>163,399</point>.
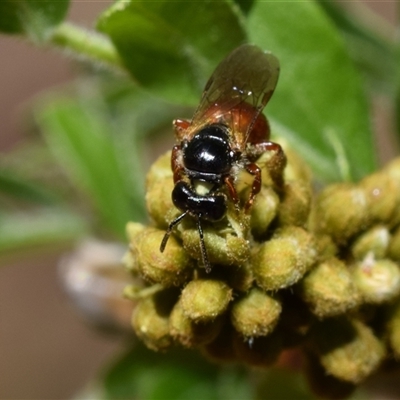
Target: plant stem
<point>86,44</point>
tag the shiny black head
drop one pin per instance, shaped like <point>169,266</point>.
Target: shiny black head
<point>208,155</point>
<point>211,207</point>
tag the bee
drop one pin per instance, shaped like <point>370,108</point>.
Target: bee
<point>227,134</point>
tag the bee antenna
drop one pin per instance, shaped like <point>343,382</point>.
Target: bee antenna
<point>203,246</point>
<point>169,230</point>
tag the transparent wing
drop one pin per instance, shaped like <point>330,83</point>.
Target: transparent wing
<point>247,76</point>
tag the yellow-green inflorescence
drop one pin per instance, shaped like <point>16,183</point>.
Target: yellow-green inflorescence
<point>317,273</point>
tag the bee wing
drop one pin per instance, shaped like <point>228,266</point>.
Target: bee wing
<point>248,77</point>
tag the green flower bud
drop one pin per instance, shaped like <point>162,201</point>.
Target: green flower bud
<point>347,349</point>
<point>393,171</point>
<point>259,351</point>
<point>326,386</point>
<point>295,205</point>
<point>240,278</point>
<point>263,211</point>
<point>255,314</point>
<point>130,263</point>
<point>205,300</point>
<point>326,247</point>
<point>283,260</point>
<point>378,281</point>
<point>296,169</point>
<point>394,245</point>
<point>244,180</point>
<point>150,319</point>
<point>133,229</point>
<point>380,190</point>
<point>374,242</point>
<point>341,210</point>
<point>228,249</point>
<point>159,186</point>
<point>173,267</point>
<point>269,249</point>
<point>329,289</point>
<point>189,333</point>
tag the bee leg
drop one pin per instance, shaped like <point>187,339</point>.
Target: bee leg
<point>176,165</point>
<point>204,255</point>
<point>253,169</point>
<point>229,182</point>
<point>169,230</point>
<point>277,162</point>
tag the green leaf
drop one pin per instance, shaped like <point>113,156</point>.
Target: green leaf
<point>177,375</point>
<point>42,229</point>
<point>35,18</point>
<point>245,5</point>
<point>89,148</point>
<point>12,184</point>
<point>172,47</point>
<point>397,112</point>
<point>319,100</point>
<point>372,54</point>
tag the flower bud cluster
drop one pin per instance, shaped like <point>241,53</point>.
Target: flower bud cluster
<point>293,273</point>
<point>362,221</point>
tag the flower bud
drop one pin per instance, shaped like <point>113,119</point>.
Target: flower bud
<point>377,281</point>
<point>241,277</point>
<point>159,186</point>
<point>133,229</point>
<point>341,210</point>
<point>326,247</point>
<point>150,319</point>
<point>205,299</point>
<point>228,249</point>
<point>173,267</point>
<point>380,191</point>
<point>263,211</point>
<point>394,245</point>
<point>295,204</point>
<point>326,386</point>
<point>347,349</point>
<point>374,242</point>
<point>283,260</point>
<point>189,333</point>
<point>255,314</point>
<point>130,263</point>
<point>329,289</point>
<point>393,171</point>
<point>296,169</point>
